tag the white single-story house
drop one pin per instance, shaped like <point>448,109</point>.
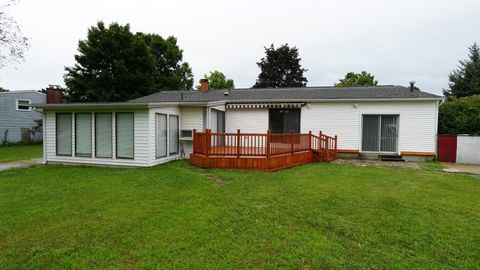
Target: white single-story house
<point>157,128</point>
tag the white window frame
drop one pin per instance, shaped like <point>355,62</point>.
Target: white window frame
<point>23,110</point>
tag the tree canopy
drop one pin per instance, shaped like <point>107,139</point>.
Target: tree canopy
<point>13,45</point>
<point>465,81</point>
<point>460,116</point>
<point>3,89</point>
<point>357,79</point>
<point>217,80</point>
<point>114,64</point>
<point>280,68</point>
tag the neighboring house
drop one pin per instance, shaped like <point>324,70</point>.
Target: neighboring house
<point>158,128</point>
<point>17,116</point>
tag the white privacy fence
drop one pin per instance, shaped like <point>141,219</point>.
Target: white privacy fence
<point>468,149</point>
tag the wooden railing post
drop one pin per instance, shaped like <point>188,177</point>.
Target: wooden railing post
<point>208,142</point>
<point>309,140</point>
<point>320,140</point>
<point>335,153</point>
<point>195,142</point>
<point>291,142</point>
<point>327,146</point>
<point>269,134</point>
<point>238,143</point>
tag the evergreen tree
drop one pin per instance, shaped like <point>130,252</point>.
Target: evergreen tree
<point>465,81</point>
<point>280,68</point>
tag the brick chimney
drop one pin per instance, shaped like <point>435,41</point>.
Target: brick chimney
<point>54,94</point>
<point>204,85</point>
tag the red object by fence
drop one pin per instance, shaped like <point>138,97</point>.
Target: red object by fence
<point>447,148</point>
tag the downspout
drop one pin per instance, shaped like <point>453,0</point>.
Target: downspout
<point>44,137</point>
<point>437,105</point>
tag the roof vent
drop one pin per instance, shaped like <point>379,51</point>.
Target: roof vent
<point>412,86</point>
<point>226,93</point>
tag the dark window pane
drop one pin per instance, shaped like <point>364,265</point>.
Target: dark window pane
<point>284,120</point>
<point>292,121</point>
<point>371,128</point>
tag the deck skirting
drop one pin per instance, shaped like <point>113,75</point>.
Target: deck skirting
<point>263,163</point>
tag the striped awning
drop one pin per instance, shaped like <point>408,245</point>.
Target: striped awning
<point>279,105</point>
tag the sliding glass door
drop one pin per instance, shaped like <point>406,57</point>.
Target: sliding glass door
<point>380,133</point>
<point>161,135</point>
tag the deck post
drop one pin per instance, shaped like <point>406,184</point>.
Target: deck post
<point>327,147</point>
<point>194,141</point>
<point>291,142</point>
<point>208,142</point>
<point>310,140</point>
<point>238,143</point>
<point>320,141</point>
<point>335,153</point>
<point>269,134</point>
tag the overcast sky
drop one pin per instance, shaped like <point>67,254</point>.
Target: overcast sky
<point>397,41</point>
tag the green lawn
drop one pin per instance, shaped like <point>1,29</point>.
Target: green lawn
<point>11,153</point>
<point>327,216</point>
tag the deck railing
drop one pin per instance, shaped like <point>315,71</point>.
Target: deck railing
<point>263,144</point>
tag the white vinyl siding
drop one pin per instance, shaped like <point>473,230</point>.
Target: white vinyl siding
<point>161,135</point>
<point>125,135</point>
<point>63,134</point>
<point>247,120</point>
<point>103,135</point>
<point>417,127</point>
<point>83,134</point>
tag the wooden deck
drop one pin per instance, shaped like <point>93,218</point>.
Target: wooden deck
<point>260,151</point>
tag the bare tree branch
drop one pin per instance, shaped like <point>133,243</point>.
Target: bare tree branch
<point>13,45</point>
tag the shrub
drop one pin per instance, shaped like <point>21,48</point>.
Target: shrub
<point>460,116</point>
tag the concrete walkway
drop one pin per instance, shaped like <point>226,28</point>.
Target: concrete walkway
<point>461,168</point>
<point>20,164</point>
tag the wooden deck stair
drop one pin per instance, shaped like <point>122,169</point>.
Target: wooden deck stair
<point>260,151</point>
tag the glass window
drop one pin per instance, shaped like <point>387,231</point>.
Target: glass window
<point>103,135</point>
<point>284,120</point>
<point>173,134</point>
<point>23,104</point>
<point>64,134</point>
<point>125,135</point>
<point>161,135</point>
<point>83,134</point>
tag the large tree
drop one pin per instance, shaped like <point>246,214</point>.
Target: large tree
<point>114,64</point>
<point>280,68</point>
<point>217,81</point>
<point>3,89</point>
<point>13,45</point>
<point>465,81</point>
<point>357,79</point>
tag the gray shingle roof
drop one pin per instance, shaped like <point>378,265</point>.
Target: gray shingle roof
<point>304,93</point>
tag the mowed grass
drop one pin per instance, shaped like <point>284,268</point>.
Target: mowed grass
<point>12,153</point>
<point>328,216</point>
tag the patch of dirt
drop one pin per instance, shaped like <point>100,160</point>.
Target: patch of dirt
<point>377,163</point>
<point>216,180</point>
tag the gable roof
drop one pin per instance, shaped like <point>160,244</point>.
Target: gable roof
<point>304,93</point>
